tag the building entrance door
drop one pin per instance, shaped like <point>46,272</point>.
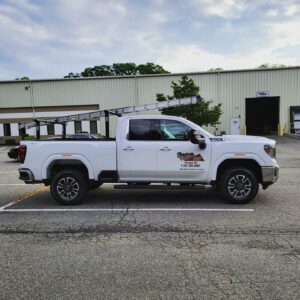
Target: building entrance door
<point>235,126</point>
<point>262,115</point>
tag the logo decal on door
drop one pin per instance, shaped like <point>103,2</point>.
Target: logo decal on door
<point>189,156</point>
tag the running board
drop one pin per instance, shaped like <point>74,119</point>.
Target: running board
<point>158,187</point>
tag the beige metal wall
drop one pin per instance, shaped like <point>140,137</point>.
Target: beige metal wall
<point>228,88</point>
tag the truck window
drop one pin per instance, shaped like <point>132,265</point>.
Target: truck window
<point>143,130</point>
<point>172,130</point>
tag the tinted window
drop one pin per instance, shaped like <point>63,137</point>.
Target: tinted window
<point>143,130</point>
<point>174,130</point>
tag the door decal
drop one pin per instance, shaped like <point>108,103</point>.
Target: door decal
<point>190,161</point>
<point>189,156</point>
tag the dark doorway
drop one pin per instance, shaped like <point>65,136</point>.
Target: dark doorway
<point>262,115</point>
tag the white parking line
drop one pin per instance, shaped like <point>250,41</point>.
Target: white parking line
<point>6,184</point>
<point>125,209</point>
<point>2,208</point>
<point>3,148</point>
<point>9,172</point>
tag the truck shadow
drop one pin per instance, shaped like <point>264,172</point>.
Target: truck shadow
<point>107,198</point>
<point>153,197</point>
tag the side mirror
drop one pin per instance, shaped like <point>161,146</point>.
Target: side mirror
<point>198,139</point>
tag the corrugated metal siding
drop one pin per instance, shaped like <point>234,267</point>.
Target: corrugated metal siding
<point>229,88</point>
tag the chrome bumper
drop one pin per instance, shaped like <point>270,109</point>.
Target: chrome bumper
<point>269,175</point>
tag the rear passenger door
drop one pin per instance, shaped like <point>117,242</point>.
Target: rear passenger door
<point>137,154</point>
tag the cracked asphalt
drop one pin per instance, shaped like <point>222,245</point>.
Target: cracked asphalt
<point>152,254</point>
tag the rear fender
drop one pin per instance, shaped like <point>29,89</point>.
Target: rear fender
<point>65,157</point>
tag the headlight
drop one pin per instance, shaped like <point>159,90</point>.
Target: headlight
<point>271,151</point>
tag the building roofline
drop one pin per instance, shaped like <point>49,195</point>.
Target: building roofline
<point>152,75</point>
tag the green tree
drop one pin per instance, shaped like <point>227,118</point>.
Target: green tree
<point>72,75</point>
<point>119,69</point>
<point>201,113</point>
<point>271,66</point>
<point>23,78</point>
<point>215,69</point>
<point>151,68</point>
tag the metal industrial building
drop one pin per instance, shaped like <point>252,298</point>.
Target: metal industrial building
<point>258,101</point>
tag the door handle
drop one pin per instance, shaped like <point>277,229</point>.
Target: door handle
<point>165,149</point>
<point>128,149</point>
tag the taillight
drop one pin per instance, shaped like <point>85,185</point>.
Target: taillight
<point>22,153</point>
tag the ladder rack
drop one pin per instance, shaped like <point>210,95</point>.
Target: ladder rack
<point>106,113</point>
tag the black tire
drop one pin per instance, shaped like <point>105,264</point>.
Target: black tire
<point>238,185</point>
<point>69,187</point>
<point>94,185</point>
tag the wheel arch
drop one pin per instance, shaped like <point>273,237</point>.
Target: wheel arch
<point>56,164</point>
<point>250,164</point>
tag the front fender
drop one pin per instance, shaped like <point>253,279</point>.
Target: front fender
<point>227,156</point>
<point>56,157</point>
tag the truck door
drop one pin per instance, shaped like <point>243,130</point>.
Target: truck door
<point>137,159</point>
<point>178,159</point>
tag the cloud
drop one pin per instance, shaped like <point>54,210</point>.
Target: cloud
<point>24,5</point>
<point>222,8</point>
<point>284,33</point>
<point>272,13</point>
<point>192,58</point>
<point>52,38</point>
<point>292,9</point>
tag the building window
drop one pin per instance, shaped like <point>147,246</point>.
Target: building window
<point>22,131</point>
<point>78,126</point>
<point>6,129</point>
<point>93,127</point>
<point>50,129</point>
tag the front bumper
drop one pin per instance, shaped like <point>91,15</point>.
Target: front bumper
<point>269,175</point>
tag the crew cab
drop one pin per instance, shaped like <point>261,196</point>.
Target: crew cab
<point>152,149</point>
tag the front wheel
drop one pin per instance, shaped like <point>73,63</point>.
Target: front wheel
<point>238,185</point>
<point>69,187</point>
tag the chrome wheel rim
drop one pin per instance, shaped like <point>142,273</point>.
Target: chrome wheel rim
<point>68,188</point>
<point>239,186</point>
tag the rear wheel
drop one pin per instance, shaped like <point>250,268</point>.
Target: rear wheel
<point>238,185</point>
<point>69,187</point>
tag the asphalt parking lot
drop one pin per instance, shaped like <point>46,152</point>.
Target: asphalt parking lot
<point>151,244</point>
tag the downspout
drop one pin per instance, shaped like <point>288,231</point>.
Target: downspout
<point>136,90</point>
<point>32,98</point>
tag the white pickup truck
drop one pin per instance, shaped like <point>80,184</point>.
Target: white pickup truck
<point>152,149</point>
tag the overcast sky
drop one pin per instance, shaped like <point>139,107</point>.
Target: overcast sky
<point>46,39</point>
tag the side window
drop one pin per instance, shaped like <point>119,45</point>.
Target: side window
<point>143,130</point>
<point>172,130</point>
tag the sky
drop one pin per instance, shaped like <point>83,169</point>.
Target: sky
<point>50,38</point>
